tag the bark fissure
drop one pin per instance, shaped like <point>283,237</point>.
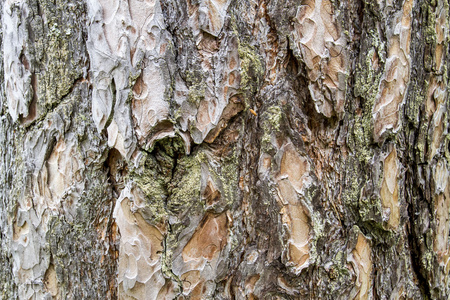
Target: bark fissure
<point>216,149</point>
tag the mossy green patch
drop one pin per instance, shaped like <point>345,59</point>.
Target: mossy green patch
<point>318,227</point>
<point>367,81</point>
<point>251,64</point>
<point>252,68</point>
<point>185,186</point>
<point>184,200</point>
<point>428,260</point>
<point>422,140</point>
<point>416,101</point>
<point>430,24</point>
<point>361,138</point>
<point>155,177</point>
<point>340,262</point>
<point>271,124</point>
<point>366,206</point>
<point>274,117</point>
<point>229,176</point>
<point>195,81</point>
<point>56,50</point>
<point>353,186</point>
<point>153,185</point>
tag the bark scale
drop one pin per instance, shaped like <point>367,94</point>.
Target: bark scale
<point>206,149</point>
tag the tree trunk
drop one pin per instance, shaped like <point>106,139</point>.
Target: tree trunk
<point>218,149</point>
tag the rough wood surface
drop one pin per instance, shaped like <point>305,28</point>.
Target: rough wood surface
<point>219,149</point>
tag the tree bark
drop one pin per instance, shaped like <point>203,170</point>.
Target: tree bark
<point>218,149</point>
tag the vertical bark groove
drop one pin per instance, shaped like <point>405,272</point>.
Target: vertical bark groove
<point>209,149</point>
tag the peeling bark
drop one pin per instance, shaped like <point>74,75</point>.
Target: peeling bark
<point>213,149</point>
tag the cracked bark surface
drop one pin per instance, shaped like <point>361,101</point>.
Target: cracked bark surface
<point>218,149</point>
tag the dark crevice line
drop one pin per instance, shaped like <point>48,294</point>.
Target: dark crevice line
<point>52,108</point>
<point>415,257</point>
<point>411,228</point>
<point>111,114</point>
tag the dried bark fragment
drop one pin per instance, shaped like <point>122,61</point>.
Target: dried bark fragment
<point>362,261</point>
<point>395,80</point>
<point>389,189</point>
<point>212,149</point>
<point>322,46</point>
<point>140,250</point>
<point>17,70</point>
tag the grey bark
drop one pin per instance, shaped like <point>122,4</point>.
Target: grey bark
<point>218,149</point>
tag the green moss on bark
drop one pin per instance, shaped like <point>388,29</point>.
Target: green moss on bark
<point>367,81</point>
<point>272,120</point>
<point>251,70</point>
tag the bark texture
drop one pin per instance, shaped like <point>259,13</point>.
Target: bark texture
<point>218,149</point>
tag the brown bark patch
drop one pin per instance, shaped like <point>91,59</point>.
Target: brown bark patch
<point>361,257</point>
<point>208,239</point>
<point>50,281</point>
<point>389,189</point>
